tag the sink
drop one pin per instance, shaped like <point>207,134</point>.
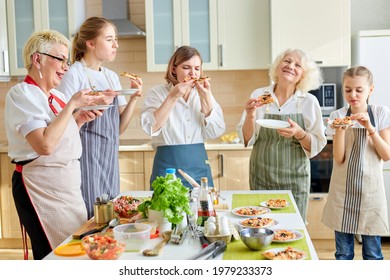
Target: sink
<point>134,142</point>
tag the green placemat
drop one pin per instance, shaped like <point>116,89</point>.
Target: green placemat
<point>239,200</point>
<point>236,250</point>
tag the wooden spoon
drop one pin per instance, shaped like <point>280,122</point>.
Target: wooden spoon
<point>166,235</point>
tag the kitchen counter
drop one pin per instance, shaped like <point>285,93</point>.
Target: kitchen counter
<point>145,145</point>
<point>287,218</point>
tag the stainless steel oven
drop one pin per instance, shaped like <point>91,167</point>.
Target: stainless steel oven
<point>321,169</point>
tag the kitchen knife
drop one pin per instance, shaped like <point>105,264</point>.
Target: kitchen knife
<point>189,179</point>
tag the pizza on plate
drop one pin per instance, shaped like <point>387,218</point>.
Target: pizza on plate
<point>278,202</point>
<point>95,93</point>
<point>284,235</point>
<point>258,222</point>
<point>251,211</point>
<point>342,121</point>
<point>288,254</point>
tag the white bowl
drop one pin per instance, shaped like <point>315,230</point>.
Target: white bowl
<point>134,234</point>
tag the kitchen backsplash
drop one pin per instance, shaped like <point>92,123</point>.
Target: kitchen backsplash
<point>230,88</point>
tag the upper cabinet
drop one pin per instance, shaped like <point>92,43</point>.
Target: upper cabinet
<point>27,16</point>
<point>229,35</point>
<point>4,64</point>
<point>320,28</point>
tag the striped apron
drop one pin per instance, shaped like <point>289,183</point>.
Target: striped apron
<point>356,202</point>
<point>191,158</point>
<point>99,161</point>
<point>279,163</point>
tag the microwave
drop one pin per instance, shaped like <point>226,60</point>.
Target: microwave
<point>326,95</point>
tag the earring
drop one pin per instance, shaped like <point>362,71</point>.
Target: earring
<point>40,74</point>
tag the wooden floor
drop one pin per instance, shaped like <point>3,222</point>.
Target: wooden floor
<point>324,248</point>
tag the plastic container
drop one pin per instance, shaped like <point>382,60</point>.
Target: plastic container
<point>135,235</point>
<point>153,225</point>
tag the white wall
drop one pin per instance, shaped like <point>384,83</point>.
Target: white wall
<point>369,15</point>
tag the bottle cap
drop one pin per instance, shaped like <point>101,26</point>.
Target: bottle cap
<point>170,171</point>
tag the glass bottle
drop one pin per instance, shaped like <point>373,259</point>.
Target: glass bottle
<point>205,203</point>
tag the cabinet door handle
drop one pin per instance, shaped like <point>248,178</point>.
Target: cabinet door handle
<point>5,60</point>
<point>319,62</point>
<point>221,158</point>
<point>222,52</point>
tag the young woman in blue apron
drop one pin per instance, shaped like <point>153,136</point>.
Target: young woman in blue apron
<point>280,157</point>
<point>180,116</point>
<point>357,202</point>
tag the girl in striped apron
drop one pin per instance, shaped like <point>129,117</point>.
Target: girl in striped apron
<point>357,203</point>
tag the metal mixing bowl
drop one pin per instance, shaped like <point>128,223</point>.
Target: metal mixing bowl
<point>257,238</point>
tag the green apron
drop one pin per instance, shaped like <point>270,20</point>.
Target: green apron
<point>279,163</point>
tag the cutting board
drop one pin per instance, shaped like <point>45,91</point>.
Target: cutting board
<point>89,225</point>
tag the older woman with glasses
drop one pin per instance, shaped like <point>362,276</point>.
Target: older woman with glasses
<point>44,143</point>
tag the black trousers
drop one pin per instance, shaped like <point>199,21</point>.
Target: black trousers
<point>29,218</point>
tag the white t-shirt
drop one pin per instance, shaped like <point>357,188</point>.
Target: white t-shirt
<point>186,122</point>
<point>79,77</point>
<point>300,102</point>
<point>26,109</point>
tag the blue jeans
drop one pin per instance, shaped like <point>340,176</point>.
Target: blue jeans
<point>371,247</point>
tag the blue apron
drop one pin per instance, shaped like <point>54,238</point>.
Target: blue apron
<point>191,158</point>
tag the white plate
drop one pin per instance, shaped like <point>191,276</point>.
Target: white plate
<point>129,91</point>
<point>277,250</point>
<point>342,125</point>
<point>264,204</point>
<point>298,235</point>
<point>275,124</point>
<point>275,222</point>
<point>95,107</point>
<point>265,210</point>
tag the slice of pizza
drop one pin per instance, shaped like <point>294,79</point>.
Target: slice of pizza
<point>266,98</point>
<point>130,75</point>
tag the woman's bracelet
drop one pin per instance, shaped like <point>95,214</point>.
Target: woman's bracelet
<point>299,139</point>
<point>371,133</point>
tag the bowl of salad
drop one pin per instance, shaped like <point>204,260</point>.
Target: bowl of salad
<point>126,206</point>
<point>103,246</point>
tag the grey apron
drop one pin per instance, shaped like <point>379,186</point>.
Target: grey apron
<point>99,161</point>
<point>191,158</point>
<point>356,202</point>
<point>279,163</point>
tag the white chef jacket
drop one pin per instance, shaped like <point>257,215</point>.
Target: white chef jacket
<point>308,106</point>
<point>186,123</point>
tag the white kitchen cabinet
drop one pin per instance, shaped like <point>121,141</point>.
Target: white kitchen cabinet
<point>229,35</point>
<point>230,169</point>
<point>320,28</point>
<point>27,16</point>
<point>4,63</point>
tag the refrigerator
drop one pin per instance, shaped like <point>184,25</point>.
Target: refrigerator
<point>371,48</point>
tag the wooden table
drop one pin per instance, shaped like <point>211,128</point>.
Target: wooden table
<point>289,219</point>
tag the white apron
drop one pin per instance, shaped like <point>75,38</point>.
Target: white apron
<point>53,184</point>
<point>357,203</point>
